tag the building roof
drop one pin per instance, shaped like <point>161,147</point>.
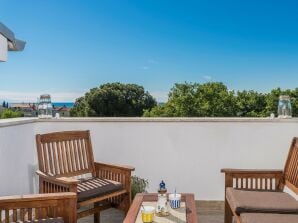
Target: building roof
<point>13,43</point>
<point>62,109</point>
<point>22,105</point>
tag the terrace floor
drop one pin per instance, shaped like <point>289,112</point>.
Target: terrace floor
<point>207,211</point>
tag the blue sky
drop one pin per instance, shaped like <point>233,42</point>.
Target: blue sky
<point>73,46</point>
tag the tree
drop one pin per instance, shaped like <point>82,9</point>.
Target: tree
<point>3,104</point>
<point>251,104</point>
<point>211,99</point>
<point>114,100</point>
<point>80,108</point>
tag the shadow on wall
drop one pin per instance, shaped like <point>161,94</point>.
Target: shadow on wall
<point>33,182</point>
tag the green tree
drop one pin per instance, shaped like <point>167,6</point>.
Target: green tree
<point>8,113</point>
<point>211,99</point>
<point>114,100</point>
<point>251,104</point>
<point>80,108</point>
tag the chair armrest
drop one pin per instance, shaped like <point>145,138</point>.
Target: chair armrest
<point>253,179</point>
<point>58,180</point>
<point>117,173</point>
<point>41,206</point>
<point>51,184</point>
<point>113,166</point>
<point>251,171</point>
<point>18,199</point>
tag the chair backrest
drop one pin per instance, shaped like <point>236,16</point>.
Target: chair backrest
<point>65,153</point>
<point>291,167</point>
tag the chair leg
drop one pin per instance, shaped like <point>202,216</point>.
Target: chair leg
<point>125,204</point>
<point>228,213</point>
<point>96,215</point>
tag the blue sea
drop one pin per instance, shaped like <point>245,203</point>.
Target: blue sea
<point>60,104</point>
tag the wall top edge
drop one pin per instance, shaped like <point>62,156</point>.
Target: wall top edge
<point>16,121</point>
<point>22,121</point>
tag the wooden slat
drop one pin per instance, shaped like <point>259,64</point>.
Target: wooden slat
<point>55,158</point>
<point>67,158</point>
<point>6,216</point>
<point>71,149</point>
<point>45,158</point>
<point>63,152</point>
<point>59,156</point>
<point>14,215</point>
<point>50,160</point>
<point>82,154</point>
<point>79,154</point>
<point>29,214</point>
<point>76,155</point>
<point>22,214</point>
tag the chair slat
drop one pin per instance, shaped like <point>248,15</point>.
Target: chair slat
<point>29,214</point>
<point>59,157</point>
<point>6,216</point>
<point>14,215</point>
<point>22,214</point>
<point>55,158</point>
<point>45,158</point>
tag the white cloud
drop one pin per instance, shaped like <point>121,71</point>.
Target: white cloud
<point>152,61</point>
<point>145,68</point>
<point>160,96</point>
<point>15,96</point>
<point>207,77</point>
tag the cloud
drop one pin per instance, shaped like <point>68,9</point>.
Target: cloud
<point>160,96</point>
<point>207,77</point>
<point>15,96</point>
<point>145,68</point>
<point>152,61</point>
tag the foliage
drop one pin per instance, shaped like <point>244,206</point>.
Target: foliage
<point>8,113</point>
<point>114,99</point>
<point>80,108</point>
<point>213,99</point>
<point>138,185</point>
<point>250,104</point>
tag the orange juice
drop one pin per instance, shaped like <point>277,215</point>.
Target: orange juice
<point>147,214</point>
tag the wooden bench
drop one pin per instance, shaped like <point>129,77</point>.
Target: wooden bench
<point>57,207</point>
<point>261,180</point>
<point>66,163</point>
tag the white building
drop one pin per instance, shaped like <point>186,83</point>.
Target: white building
<point>8,42</point>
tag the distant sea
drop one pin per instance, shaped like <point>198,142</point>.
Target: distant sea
<point>61,104</point>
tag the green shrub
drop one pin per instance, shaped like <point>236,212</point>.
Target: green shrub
<point>8,113</point>
<point>138,185</point>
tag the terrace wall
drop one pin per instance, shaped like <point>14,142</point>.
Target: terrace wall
<point>187,153</point>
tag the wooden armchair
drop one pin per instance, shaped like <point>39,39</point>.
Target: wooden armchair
<point>58,208</point>
<point>262,180</point>
<point>64,160</point>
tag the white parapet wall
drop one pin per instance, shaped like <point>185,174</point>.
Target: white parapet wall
<point>3,48</point>
<point>187,153</point>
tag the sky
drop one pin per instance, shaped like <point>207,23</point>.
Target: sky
<point>76,45</point>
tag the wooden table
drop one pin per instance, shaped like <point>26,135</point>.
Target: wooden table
<point>191,213</point>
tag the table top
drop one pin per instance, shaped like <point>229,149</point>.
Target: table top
<point>191,213</point>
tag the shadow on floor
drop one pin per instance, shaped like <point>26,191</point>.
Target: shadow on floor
<point>207,211</point>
